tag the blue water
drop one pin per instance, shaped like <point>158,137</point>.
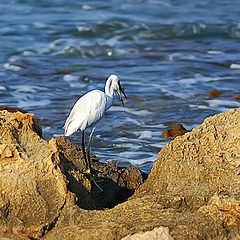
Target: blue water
<point>168,55</point>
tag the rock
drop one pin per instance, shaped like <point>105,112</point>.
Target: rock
<point>12,109</point>
<point>160,233</point>
<point>177,130</point>
<point>237,97</point>
<point>40,178</point>
<point>214,93</point>
<point>32,188</point>
<point>117,183</point>
<point>192,169</point>
<point>192,190</point>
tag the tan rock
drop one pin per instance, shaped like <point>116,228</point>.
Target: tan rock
<point>193,188</point>
<point>32,187</point>
<point>38,179</point>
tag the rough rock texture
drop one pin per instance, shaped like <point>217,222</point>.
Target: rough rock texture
<point>193,189</point>
<point>32,193</point>
<point>38,178</point>
<point>117,183</point>
<point>198,175</point>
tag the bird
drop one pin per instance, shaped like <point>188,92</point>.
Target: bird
<point>89,109</point>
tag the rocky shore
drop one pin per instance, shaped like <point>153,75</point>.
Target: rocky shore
<point>192,192</point>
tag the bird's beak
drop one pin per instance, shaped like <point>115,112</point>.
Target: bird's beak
<point>120,92</point>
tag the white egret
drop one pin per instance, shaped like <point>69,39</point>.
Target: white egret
<point>89,109</point>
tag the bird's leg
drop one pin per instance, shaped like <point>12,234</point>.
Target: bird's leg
<point>84,153</point>
<point>92,178</point>
<point>88,147</point>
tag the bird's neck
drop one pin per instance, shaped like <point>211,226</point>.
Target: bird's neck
<point>108,89</point>
<point>109,93</point>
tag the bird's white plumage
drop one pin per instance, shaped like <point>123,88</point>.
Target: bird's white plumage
<point>90,108</point>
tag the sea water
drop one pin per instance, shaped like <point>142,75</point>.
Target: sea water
<point>168,54</point>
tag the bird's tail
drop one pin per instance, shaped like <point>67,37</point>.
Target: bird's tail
<point>73,126</point>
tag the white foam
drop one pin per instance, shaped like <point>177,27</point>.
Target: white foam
<point>145,135</point>
<point>43,50</point>
<point>11,67</point>
<point>126,145</point>
<point>27,53</point>
<point>77,85</point>
<point>173,56</point>
<point>39,25</point>
<point>29,88</point>
<point>57,42</point>
<point>14,59</point>
<point>125,140</point>
<point>198,106</point>
<point>148,135</point>
<point>187,81</point>
<point>86,7</point>
<point>159,145</point>
<point>121,139</point>
<point>235,66</point>
<point>47,129</point>
<point>32,103</point>
<point>57,135</point>
<point>140,112</point>
<point>69,78</point>
<point>214,52</point>
<point>221,102</point>
<point>81,28</point>
<point>130,154</point>
<point>133,121</point>
<point>110,42</point>
<point>154,126</point>
<point>26,89</point>
<point>201,78</point>
<point>139,161</point>
<point>2,88</point>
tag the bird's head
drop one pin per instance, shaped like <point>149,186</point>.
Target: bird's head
<point>116,86</point>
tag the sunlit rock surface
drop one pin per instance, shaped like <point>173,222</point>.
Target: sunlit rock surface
<point>192,191</point>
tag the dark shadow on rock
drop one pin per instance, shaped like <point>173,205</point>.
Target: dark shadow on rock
<point>117,183</point>
<point>77,181</point>
<point>111,195</point>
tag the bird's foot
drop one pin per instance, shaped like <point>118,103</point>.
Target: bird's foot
<point>88,171</point>
<point>92,178</point>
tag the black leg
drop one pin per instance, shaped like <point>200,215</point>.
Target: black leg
<point>86,156</point>
<point>83,150</point>
<point>88,147</point>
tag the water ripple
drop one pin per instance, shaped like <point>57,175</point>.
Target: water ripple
<point>169,56</point>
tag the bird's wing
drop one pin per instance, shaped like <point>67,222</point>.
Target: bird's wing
<point>96,109</point>
<point>86,111</point>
